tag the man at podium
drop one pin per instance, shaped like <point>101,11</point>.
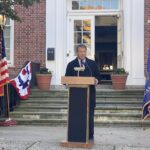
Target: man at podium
<point>91,70</point>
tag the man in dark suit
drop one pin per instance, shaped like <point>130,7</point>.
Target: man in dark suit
<point>91,70</point>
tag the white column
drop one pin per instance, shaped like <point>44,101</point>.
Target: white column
<point>51,34</point>
<point>61,29</point>
<point>134,41</point>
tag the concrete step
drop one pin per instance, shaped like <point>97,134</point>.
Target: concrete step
<point>63,122</point>
<point>63,115</point>
<point>65,101</point>
<point>106,93</point>
<point>98,107</point>
<point>66,104</point>
<point>62,100</point>
<point>97,96</point>
<point>101,91</point>
<point>114,108</point>
<point>105,108</point>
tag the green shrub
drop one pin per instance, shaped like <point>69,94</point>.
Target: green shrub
<point>120,71</point>
<point>45,71</point>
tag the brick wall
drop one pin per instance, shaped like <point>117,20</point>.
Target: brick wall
<point>29,36</point>
<point>147,30</point>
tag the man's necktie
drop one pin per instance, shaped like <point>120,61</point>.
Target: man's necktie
<point>82,63</point>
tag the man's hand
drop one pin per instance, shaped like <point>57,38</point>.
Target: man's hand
<point>96,81</point>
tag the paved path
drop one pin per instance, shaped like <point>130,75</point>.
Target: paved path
<point>48,138</point>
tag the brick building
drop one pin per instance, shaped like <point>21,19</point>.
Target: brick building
<point>28,39</point>
<point>113,31</point>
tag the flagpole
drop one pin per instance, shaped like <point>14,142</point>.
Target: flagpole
<point>8,102</point>
<point>8,121</point>
<point>7,90</point>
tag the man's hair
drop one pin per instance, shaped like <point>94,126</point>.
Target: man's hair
<point>81,46</point>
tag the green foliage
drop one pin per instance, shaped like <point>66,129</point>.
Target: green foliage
<point>44,71</point>
<point>7,7</point>
<point>120,71</point>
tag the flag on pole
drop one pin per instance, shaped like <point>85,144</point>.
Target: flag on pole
<point>4,75</point>
<point>22,82</point>
<point>146,101</point>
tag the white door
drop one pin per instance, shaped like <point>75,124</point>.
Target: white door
<point>81,30</point>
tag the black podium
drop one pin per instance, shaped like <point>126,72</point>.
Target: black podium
<point>78,112</point>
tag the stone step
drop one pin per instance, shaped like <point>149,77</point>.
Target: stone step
<point>105,93</point>
<point>108,109</point>
<point>98,107</point>
<point>114,108</point>
<point>65,110</point>
<point>62,122</point>
<point>97,94</point>
<point>66,104</point>
<point>63,115</point>
<point>107,97</point>
<point>101,91</point>
<point>56,100</point>
<point>65,101</point>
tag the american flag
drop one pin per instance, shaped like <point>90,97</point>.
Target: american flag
<point>4,75</point>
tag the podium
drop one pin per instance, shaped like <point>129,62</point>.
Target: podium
<point>78,112</point>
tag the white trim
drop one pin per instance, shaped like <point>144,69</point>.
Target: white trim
<point>70,37</point>
<point>12,43</point>
<point>51,35</point>
<point>134,41</point>
<point>94,13</point>
<point>56,30</point>
<point>11,61</point>
<point>90,13</point>
<point>60,39</point>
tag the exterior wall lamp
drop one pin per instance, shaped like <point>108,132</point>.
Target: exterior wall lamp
<point>2,21</point>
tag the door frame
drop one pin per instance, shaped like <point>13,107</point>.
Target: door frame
<point>118,14</point>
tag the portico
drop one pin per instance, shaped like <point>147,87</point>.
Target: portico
<point>113,31</point>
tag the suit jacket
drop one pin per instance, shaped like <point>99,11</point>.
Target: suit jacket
<point>91,70</point>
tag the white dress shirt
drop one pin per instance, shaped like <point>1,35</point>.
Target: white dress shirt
<point>81,65</point>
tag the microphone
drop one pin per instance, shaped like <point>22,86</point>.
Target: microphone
<point>78,69</point>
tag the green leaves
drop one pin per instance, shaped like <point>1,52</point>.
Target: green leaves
<point>120,71</point>
<point>7,7</point>
<point>25,3</point>
<point>45,71</point>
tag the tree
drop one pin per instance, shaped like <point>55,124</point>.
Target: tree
<point>7,7</point>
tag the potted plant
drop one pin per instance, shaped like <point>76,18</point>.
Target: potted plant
<point>119,78</point>
<point>44,79</point>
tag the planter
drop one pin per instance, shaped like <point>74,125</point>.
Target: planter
<point>119,81</point>
<point>44,81</point>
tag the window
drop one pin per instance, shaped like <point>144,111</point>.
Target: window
<point>82,33</point>
<point>8,35</point>
<point>94,4</point>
